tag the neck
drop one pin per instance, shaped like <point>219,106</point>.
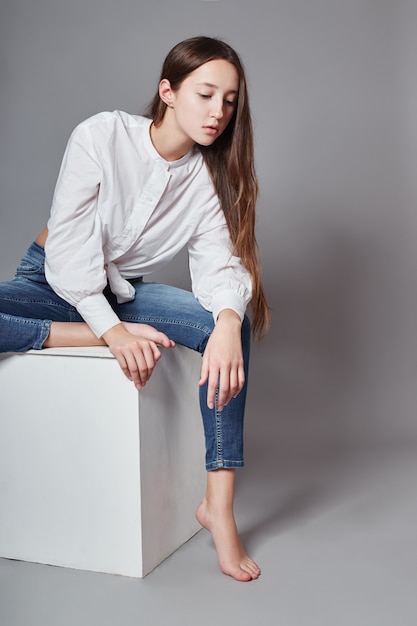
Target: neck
<point>168,141</point>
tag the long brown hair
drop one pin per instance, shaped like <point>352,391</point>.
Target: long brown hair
<point>230,159</point>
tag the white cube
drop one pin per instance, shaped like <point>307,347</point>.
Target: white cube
<point>95,475</point>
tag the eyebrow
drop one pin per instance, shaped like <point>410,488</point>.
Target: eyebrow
<point>216,87</point>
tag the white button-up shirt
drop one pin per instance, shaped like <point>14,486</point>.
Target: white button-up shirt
<point>121,211</point>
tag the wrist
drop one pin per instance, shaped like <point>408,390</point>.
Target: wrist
<point>228,316</point>
<point>114,333</point>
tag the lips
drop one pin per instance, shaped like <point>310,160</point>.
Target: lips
<point>211,129</point>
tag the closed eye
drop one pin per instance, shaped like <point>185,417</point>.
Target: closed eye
<point>205,96</point>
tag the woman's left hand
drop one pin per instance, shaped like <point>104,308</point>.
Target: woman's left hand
<point>223,361</point>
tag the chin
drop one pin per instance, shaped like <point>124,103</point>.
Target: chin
<point>207,141</point>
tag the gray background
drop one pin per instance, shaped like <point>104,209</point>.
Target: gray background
<point>334,97</point>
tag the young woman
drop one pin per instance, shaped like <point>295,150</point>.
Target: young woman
<point>132,191</point>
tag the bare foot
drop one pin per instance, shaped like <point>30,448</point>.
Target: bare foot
<point>233,559</point>
<point>144,331</point>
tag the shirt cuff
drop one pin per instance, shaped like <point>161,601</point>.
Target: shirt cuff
<point>98,314</point>
<point>228,300</point>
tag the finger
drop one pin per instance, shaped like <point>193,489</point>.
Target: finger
<point>204,372</point>
<point>152,355</point>
<point>127,363</point>
<point>150,333</point>
<point>166,342</point>
<point>156,354</point>
<point>234,386</point>
<point>241,379</point>
<point>229,389</point>
<point>138,369</point>
<point>161,339</point>
<point>237,381</point>
<point>213,383</point>
<point>122,363</point>
<point>224,389</point>
<point>146,360</point>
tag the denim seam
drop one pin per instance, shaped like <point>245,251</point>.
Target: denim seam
<point>42,301</point>
<point>219,430</point>
<point>167,320</point>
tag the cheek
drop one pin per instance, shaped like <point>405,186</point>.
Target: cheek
<point>192,109</point>
<point>228,116</point>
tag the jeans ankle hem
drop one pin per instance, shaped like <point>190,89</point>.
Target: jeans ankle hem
<point>224,464</point>
<point>44,330</point>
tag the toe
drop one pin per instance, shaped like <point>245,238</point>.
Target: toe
<point>243,576</point>
<point>251,568</point>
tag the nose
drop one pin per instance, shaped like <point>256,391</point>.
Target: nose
<point>217,110</point>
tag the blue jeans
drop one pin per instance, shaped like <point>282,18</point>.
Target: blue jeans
<point>28,305</point>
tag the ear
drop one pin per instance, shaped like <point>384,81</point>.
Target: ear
<point>165,92</point>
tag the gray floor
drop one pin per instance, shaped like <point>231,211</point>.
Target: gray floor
<point>335,533</point>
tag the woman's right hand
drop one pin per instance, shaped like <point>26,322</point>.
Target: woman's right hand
<point>136,348</point>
